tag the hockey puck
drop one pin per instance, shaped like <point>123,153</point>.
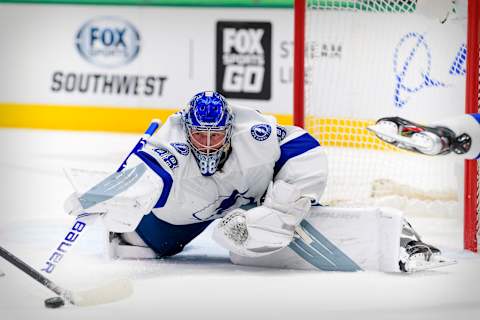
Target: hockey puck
<point>55,302</point>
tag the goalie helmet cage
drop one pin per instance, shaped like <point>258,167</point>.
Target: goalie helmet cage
<point>344,55</point>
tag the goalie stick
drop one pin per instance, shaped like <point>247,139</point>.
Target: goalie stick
<point>85,220</point>
<point>106,293</point>
<point>110,292</point>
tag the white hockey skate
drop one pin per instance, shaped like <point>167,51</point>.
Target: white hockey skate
<point>416,255</point>
<point>414,137</point>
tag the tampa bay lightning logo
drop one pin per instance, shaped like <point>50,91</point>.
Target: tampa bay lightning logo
<point>182,148</point>
<point>261,132</point>
<point>412,63</point>
<point>281,133</point>
<point>222,205</point>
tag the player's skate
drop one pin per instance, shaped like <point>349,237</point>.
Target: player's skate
<point>416,255</point>
<point>128,246</point>
<point>411,136</point>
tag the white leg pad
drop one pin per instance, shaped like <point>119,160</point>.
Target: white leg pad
<point>340,239</point>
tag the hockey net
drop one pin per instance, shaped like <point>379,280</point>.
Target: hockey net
<point>367,59</point>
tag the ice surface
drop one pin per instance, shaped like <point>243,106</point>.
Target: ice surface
<point>199,283</point>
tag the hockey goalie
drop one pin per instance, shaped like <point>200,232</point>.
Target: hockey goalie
<point>262,181</point>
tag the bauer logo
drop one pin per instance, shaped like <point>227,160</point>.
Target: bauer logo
<point>244,51</point>
<point>108,42</point>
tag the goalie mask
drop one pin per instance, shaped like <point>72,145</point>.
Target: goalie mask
<point>208,124</point>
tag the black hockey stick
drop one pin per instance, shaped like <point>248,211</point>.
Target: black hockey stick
<point>10,257</point>
<point>108,293</point>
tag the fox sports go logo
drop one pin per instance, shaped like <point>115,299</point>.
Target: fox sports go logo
<point>108,42</point>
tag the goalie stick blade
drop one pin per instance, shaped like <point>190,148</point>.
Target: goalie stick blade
<point>110,292</point>
<point>107,293</point>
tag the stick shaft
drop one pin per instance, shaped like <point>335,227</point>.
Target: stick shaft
<point>10,257</point>
<point>148,133</point>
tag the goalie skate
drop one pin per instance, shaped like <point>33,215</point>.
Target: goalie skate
<point>418,256</point>
<point>411,136</point>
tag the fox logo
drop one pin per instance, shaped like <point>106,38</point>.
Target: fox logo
<point>244,59</point>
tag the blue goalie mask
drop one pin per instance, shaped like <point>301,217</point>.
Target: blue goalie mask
<point>208,124</point>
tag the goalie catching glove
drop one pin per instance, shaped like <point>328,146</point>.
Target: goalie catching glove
<point>266,228</point>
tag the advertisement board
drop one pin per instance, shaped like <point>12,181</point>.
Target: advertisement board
<point>154,59</point>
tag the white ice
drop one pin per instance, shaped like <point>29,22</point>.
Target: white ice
<point>199,283</point>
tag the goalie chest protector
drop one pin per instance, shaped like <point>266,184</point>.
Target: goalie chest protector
<point>242,180</point>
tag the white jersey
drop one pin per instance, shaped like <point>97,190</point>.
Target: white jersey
<point>261,151</point>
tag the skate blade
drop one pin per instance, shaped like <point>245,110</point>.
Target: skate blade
<point>423,142</point>
<point>435,262</point>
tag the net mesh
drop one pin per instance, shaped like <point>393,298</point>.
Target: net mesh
<point>363,5</point>
<point>351,47</point>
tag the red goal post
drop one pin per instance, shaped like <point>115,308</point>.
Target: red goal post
<point>470,203</point>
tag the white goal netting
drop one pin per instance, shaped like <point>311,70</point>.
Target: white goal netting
<point>370,59</point>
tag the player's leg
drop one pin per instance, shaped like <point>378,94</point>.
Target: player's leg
<point>339,239</point>
<point>155,238</point>
<point>351,239</point>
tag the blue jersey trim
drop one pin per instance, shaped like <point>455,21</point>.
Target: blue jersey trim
<point>294,148</point>
<point>162,173</point>
<point>476,116</point>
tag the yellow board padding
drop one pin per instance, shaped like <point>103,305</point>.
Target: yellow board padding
<point>36,116</point>
<point>87,118</point>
